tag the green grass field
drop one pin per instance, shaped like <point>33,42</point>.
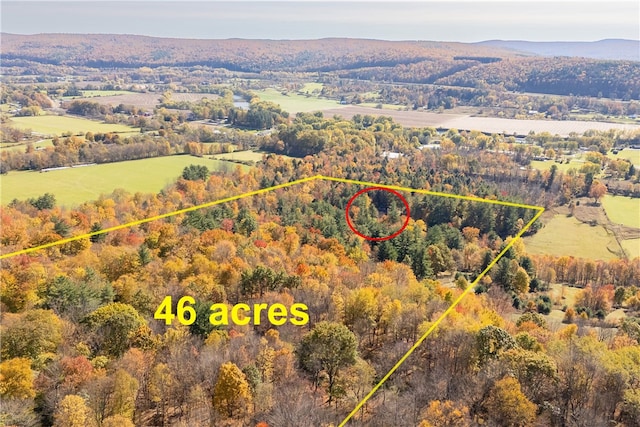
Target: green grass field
<point>384,106</point>
<point>57,125</point>
<point>76,185</point>
<point>622,210</point>
<point>245,156</point>
<point>295,103</point>
<point>22,147</point>
<point>631,247</point>
<point>627,153</point>
<point>94,93</point>
<point>562,167</point>
<point>310,87</point>
<point>565,294</point>
<point>564,235</point>
<point>242,156</point>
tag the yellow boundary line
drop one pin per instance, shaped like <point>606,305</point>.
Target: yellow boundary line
<point>346,181</point>
<point>161,216</point>
<point>440,319</point>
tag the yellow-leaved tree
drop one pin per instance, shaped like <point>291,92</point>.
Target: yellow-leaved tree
<point>231,394</point>
<point>16,379</point>
<point>509,406</point>
<point>72,412</point>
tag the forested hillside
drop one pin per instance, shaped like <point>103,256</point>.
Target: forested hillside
<point>233,54</point>
<point>454,64</point>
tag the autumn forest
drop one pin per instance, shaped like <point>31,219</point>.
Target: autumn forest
<point>264,307</point>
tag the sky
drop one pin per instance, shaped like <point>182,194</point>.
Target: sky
<point>445,20</point>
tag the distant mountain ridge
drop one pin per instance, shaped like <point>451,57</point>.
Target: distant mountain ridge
<point>615,49</point>
<point>118,50</point>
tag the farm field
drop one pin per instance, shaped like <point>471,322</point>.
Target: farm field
<point>629,154</point>
<point>384,106</point>
<point>485,124</point>
<point>57,125</point>
<point>564,235</point>
<point>311,87</point>
<point>76,185</point>
<point>22,147</point>
<point>562,167</point>
<point>622,210</point>
<point>144,100</point>
<point>244,156</point>
<point>631,247</point>
<point>98,93</point>
<point>295,103</point>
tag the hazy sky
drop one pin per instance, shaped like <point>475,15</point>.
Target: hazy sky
<point>466,21</point>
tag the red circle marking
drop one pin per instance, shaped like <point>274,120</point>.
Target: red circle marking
<point>378,239</point>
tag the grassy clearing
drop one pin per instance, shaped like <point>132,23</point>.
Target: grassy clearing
<point>601,118</point>
<point>95,93</point>
<point>76,185</point>
<point>43,143</point>
<point>384,106</point>
<point>57,125</point>
<point>615,315</point>
<point>627,153</point>
<point>245,156</point>
<point>565,294</point>
<point>562,167</point>
<point>564,235</point>
<point>622,210</point>
<point>556,316</point>
<point>631,247</point>
<point>241,156</point>
<point>311,87</point>
<point>295,103</point>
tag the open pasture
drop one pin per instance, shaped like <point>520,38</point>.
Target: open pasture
<point>631,248</point>
<point>43,143</point>
<point>240,156</point>
<point>57,125</point>
<point>296,103</point>
<point>97,93</point>
<point>311,87</point>
<point>562,167</point>
<point>564,235</point>
<point>630,154</point>
<point>145,100</point>
<point>622,210</point>
<point>245,156</point>
<point>383,106</point>
<point>76,185</point>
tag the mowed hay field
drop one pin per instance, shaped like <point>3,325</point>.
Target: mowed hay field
<point>240,156</point>
<point>562,167</point>
<point>140,100</point>
<point>630,154</point>
<point>631,247</point>
<point>622,210</point>
<point>76,185</point>
<point>295,103</point>
<point>95,93</point>
<point>564,235</point>
<point>246,156</point>
<point>20,146</point>
<point>57,125</point>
